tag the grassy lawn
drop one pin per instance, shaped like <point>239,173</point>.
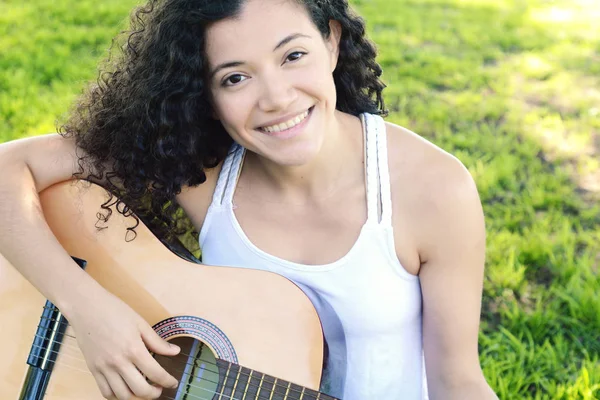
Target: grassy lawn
<point>511,87</point>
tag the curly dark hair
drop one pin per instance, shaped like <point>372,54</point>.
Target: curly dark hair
<point>146,125</point>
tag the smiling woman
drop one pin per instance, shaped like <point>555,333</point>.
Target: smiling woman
<point>295,76</point>
<point>262,121</point>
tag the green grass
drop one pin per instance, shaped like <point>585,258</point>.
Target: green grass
<point>510,87</point>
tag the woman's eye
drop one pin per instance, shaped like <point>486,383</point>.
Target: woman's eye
<point>233,80</point>
<point>295,56</point>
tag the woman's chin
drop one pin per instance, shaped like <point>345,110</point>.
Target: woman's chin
<point>295,156</point>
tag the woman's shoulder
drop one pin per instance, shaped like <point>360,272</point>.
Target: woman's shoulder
<point>412,156</point>
<point>195,200</point>
<point>430,186</point>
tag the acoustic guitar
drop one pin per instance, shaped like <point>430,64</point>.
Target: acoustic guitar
<point>244,334</point>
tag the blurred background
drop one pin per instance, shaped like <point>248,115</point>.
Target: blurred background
<point>511,87</point>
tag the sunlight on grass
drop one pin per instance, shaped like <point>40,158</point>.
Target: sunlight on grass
<point>574,16</point>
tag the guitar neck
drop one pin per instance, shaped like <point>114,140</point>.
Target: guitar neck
<point>237,382</point>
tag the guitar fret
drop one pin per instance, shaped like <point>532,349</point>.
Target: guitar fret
<point>294,392</point>
<point>281,389</point>
<point>242,384</point>
<point>287,392</point>
<point>310,394</point>
<point>269,385</point>
<point>247,384</point>
<point>224,382</point>
<point>237,379</point>
<point>253,386</point>
<point>273,391</point>
<point>260,386</point>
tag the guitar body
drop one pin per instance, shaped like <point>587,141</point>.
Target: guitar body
<point>251,318</point>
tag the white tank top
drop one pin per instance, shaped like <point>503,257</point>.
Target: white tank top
<point>369,305</point>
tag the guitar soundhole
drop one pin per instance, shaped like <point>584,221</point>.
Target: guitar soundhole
<point>195,367</point>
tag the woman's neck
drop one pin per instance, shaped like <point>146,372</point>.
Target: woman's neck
<point>337,165</point>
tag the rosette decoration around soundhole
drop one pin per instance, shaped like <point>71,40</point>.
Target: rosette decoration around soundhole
<point>205,354</point>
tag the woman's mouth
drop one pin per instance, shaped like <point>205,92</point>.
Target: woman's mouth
<point>288,128</point>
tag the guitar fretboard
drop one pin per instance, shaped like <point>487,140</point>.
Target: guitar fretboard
<point>240,383</point>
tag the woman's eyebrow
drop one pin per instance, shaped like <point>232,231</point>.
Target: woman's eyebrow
<point>289,39</point>
<point>232,64</point>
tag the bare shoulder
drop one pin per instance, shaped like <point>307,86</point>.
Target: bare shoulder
<point>429,170</point>
<point>432,191</point>
<point>195,200</point>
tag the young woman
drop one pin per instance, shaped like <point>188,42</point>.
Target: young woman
<point>262,120</point>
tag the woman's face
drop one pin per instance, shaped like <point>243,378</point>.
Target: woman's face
<point>270,74</point>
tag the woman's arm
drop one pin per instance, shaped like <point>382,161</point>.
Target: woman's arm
<point>452,250</point>
<point>112,337</point>
<point>28,166</point>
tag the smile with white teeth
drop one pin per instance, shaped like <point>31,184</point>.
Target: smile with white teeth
<point>285,125</point>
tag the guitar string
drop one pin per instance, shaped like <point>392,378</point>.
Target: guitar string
<point>237,380</point>
<point>224,396</point>
<point>175,362</point>
<point>184,374</point>
<point>52,396</point>
<point>76,347</point>
<point>83,360</point>
<point>78,358</point>
<point>49,395</point>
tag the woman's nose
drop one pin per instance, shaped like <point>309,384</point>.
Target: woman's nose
<point>277,93</point>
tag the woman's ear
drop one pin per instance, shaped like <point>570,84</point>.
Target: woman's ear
<point>333,42</point>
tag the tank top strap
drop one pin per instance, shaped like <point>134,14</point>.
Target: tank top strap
<point>371,167</point>
<point>379,199</point>
<point>234,173</point>
<point>384,172</point>
<point>228,176</point>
